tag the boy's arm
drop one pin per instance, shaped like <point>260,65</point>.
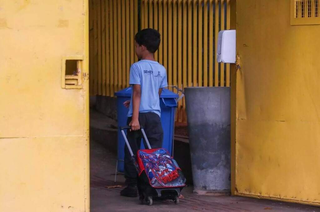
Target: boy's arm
<point>160,91</point>
<point>136,99</point>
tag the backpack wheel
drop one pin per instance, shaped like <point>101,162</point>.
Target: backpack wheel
<point>176,200</point>
<point>141,199</point>
<point>149,201</point>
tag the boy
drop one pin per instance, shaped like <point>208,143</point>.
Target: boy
<point>147,78</point>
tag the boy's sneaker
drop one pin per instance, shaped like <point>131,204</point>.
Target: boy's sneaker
<point>130,191</point>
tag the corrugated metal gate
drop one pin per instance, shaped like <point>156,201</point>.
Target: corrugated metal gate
<point>188,29</point>
<point>113,25</point>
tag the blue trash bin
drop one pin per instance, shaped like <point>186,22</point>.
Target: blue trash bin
<point>168,103</point>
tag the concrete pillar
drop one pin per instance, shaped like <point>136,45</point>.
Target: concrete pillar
<point>208,111</point>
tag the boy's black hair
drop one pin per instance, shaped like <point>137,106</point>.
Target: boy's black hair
<point>150,38</point>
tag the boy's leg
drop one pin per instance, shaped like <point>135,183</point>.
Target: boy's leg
<point>130,172</point>
<point>151,123</point>
<point>153,128</point>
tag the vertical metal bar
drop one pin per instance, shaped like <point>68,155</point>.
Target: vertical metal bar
<point>155,14</point>
<point>136,24</point>
<point>200,44</point>
<point>142,13</point>
<point>216,69</point>
<point>115,49</point>
<point>127,142</point>
<point>94,56</point>
<point>313,11</point>
<point>180,7</point>
<point>123,44</point>
<point>310,8</point>
<point>165,34</point>
<point>228,27</point>
<point>184,46</point>
<point>145,138</point>
<point>150,13</point>
<point>305,8</point>
<point>302,8</point>
<point>95,73</point>
<point>205,44</point>
<point>155,21</point>
<point>184,53</point>
<point>222,70</point>
<point>132,31</point>
<point>190,49</point>
<point>108,48</point>
<point>195,43</point>
<point>170,43</point>
<point>160,6</point>
<point>316,8</point>
<point>103,45</point>
<point>296,6</point>
<point>299,6</point>
<point>119,70</point>
<point>313,8</point>
<point>146,14</point>
<point>91,43</point>
<point>128,42</point>
<point>96,47</point>
<point>99,47</point>
<point>175,43</point>
<point>112,31</point>
<point>211,38</point>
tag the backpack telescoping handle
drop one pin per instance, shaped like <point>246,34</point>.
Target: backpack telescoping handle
<point>127,142</point>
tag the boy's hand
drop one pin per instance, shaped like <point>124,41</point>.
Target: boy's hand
<point>135,125</point>
<point>127,103</point>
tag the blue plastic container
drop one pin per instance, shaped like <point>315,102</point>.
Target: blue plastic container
<point>168,103</point>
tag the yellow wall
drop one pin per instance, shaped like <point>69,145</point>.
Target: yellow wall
<point>44,158</point>
<point>278,105</point>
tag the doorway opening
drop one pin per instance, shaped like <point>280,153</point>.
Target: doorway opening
<point>188,32</point>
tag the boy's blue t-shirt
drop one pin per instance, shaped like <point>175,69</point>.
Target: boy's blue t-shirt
<point>151,76</point>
